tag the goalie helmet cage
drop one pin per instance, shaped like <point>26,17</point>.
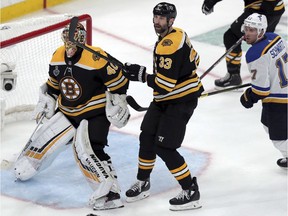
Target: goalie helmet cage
<point>29,44</point>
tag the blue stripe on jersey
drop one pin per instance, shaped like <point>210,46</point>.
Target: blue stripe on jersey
<point>255,51</point>
<point>260,88</point>
<point>279,95</point>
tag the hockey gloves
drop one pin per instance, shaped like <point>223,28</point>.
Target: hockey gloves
<point>117,111</point>
<point>207,6</point>
<point>246,99</point>
<point>135,72</point>
<point>46,104</point>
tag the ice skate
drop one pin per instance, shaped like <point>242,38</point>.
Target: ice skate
<point>282,162</point>
<point>110,201</point>
<point>229,80</point>
<point>186,199</point>
<point>138,191</point>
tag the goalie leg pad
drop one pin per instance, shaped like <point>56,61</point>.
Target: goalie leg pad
<point>100,174</point>
<point>48,141</point>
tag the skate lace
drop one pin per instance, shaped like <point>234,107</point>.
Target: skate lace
<point>225,78</point>
<point>182,195</point>
<point>137,186</point>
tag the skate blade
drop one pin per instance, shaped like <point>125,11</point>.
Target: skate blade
<point>97,208</point>
<point>113,204</point>
<point>141,196</point>
<point>187,206</point>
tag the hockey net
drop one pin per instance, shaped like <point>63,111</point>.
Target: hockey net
<point>26,48</point>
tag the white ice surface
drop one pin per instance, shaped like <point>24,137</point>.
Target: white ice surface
<point>242,177</point>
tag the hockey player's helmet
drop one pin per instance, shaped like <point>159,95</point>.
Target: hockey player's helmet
<point>255,20</point>
<point>165,9</point>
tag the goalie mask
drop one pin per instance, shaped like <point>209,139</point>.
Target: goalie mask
<point>79,36</point>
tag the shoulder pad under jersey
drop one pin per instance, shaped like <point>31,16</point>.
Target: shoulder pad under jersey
<point>58,55</point>
<point>91,60</point>
<point>262,47</point>
<point>171,43</point>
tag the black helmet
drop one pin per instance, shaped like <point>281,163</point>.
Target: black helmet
<point>165,9</point>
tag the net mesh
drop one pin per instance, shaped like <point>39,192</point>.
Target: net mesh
<point>31,58</point>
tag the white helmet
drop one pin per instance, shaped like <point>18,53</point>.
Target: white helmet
<point>258,21</point>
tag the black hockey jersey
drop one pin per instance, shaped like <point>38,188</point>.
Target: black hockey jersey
<point>278,5</point>
<point>80,82</point>
<point>174,72</point>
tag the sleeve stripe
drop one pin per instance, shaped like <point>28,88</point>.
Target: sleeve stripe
<point>166,78</point>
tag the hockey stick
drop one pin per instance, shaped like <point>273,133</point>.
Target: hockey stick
<point>223,56</point>
<point>132,102</point>
<point>5,164</point>
<point>225,90</point>
<point>39,122</point>
<point>137,107</point>
<point>73,25</point>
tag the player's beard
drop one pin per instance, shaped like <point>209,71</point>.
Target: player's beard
<point>159,29</point>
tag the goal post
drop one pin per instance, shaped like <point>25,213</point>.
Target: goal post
<point>26,50</point>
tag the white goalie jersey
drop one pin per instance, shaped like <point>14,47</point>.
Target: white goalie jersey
<point>267,62</point>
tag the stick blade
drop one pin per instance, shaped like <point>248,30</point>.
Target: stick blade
<point>72,27</point>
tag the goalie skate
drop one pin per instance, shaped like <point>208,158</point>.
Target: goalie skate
<point>110,201</point>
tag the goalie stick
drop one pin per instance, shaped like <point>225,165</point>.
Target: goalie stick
<point>39,122</point>
<point>131,101</point>
<point>6,164</point>
<point>73,24</point>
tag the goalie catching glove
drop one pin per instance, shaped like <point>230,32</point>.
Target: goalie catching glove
<point>117,111</point>
<point>46,104</point>
<point>135,72</point>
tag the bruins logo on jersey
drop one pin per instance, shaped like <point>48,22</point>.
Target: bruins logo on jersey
<point>167,42</point>
<point>95,57</point>
<point>70,88</point>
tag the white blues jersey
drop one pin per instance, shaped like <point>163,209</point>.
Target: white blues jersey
<point>267,62</point>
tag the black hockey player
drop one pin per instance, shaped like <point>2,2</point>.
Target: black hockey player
<point>176,89</point>
<point>79,81</point>
<point>273,9</point>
